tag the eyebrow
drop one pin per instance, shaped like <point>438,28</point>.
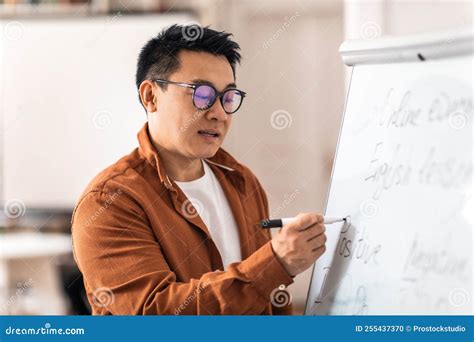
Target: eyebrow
<point>201,81</point>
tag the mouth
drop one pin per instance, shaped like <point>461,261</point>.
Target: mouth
<point>209,133</point>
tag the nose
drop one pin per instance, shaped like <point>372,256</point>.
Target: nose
<point>216,112</point>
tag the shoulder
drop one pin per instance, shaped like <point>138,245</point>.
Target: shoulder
<point>124,176</point>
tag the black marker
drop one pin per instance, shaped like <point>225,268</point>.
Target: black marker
<point>276,223</point>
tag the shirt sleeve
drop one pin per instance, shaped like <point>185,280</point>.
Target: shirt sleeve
<point>276,310</point>
<point>121,260</point>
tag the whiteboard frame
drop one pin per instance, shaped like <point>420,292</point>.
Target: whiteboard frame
<point>396,49</point>
<point>330,180</point>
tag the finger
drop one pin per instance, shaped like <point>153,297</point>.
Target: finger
<point>318,242</point>
<point>314,230</point>
<point>319,251</point>
<point>305,220</point>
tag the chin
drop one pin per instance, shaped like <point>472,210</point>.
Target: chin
<point>206,151</point>
<point>209,154</point>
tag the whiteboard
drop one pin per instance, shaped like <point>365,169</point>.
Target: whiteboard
<point>403,175</point>
<point>69,104</point>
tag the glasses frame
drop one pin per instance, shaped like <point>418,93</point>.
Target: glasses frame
<point>219,95</point>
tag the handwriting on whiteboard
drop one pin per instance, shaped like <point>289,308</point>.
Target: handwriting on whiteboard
<point>402,113</point>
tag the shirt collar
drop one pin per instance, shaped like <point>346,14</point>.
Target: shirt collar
<point>221,159</point>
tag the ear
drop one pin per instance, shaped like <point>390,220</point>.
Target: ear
<point>148,96</point>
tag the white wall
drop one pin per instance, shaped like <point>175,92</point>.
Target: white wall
<point>69,105</point>
<point>371,19</point>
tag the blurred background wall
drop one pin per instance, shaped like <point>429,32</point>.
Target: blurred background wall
<point>67,85</point>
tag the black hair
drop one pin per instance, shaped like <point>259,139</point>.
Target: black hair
<point>158,59</point>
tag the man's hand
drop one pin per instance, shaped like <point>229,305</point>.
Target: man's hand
<point>300,243</point>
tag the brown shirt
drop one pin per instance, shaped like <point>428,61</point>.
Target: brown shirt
<point>144,250</point>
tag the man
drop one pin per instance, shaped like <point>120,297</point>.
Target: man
<point>171,227</point>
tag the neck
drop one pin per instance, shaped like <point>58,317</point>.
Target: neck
<point>179,168</point>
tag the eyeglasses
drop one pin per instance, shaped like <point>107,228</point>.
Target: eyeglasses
<point>205,95</point>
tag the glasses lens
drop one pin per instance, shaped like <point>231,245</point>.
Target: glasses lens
<point>231,101</point>
<point>204,96</point>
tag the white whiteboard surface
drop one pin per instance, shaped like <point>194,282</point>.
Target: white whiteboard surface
<point>403,173</point>
<point>69,102</point>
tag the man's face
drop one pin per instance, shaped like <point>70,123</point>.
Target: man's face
<point>177,125</point>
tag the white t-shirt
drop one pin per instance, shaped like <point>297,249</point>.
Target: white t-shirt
<point>208,197</point>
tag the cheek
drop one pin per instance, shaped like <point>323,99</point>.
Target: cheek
<point>180,119</point>
<point>183,103</point>
<point>189,121</point>
<point>228,123</point>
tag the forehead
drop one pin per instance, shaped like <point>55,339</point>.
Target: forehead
<point>203,66</point>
